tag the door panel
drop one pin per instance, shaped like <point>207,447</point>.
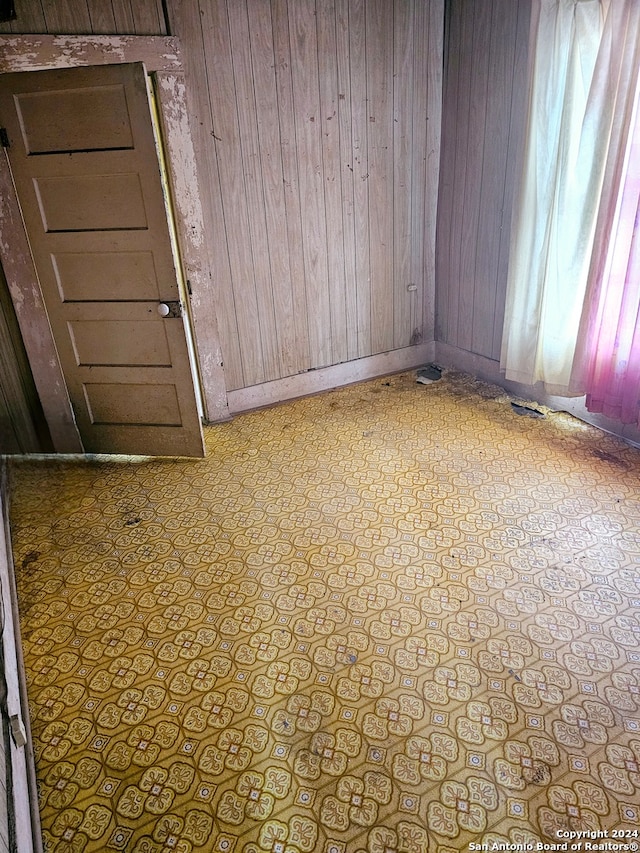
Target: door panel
<point>119,342</point>
<point>84,161</point>
<point>157,404</point>
<point>95,119</point>
<point>91,202</point>
<point>104,276</point>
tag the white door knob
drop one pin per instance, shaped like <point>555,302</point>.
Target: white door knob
<point>163,310</point>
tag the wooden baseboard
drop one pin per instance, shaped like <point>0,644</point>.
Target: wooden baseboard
<point>488,370</point>
<point>326,378</point>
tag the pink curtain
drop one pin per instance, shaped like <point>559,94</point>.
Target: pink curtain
<point>607,361</point>
<point>613,380</point>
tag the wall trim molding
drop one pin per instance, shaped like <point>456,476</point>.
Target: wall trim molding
<point>327,378</point>
<point>47,53</point>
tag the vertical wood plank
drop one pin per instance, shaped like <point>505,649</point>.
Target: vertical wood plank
<point>461,176</point>
<point>304,65</point>
<point>501,47</point>
<point>101,16</point>
<point>457,159</point>
<point>403,93</point>
<point>148,18</point>
<point>444,232</point>
<point>296,352</point>
<point>479,41</point>
<point>253,162</point>
<point>434,56</point>
<point>360,166</point>
<point>66,17</point>
<point>343,55</point>
<point>241,299</point>
<point>419,276</point>
<point>333,171</point>
<point>276,303</point>
<point>123,16</point>
<point>460,141</point>
<point>379,35</point>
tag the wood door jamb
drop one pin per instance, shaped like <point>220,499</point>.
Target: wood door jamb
<point>24,287</point>
<point>48,53</point>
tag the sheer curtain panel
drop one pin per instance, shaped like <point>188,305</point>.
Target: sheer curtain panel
<point>560,185</point>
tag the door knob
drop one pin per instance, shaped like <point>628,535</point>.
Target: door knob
<point>170,309</point>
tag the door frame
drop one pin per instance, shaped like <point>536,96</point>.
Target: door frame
<point>162,59</point>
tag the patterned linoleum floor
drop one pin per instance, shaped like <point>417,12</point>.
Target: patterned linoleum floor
<point>392,618</point>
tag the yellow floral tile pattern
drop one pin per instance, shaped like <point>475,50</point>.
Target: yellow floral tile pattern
<point>388,619</point>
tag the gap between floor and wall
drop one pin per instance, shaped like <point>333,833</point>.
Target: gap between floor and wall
<point>410,358</point>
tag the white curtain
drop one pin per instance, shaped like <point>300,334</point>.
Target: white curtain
<point>557,203</point>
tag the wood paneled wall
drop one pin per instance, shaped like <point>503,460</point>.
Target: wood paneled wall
<point>317,125</point>
<point>482,127</point>
<point>86,17</point>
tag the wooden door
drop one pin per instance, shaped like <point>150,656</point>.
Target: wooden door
<point>82,150</point>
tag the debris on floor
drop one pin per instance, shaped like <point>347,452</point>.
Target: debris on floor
<point>527,411</point>
<point>430,373</point>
